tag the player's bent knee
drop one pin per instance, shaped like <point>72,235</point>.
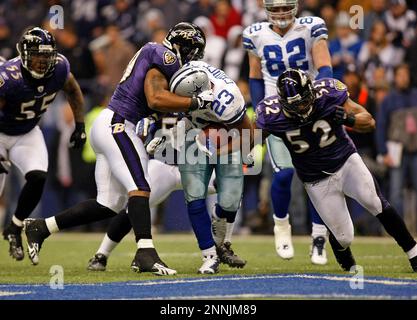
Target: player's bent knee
<point>374,205</point>
<point>196,191</point>
<point>36,177</point>
<point>345,239</point>
<point>230,201</point>
<point>114,203</point>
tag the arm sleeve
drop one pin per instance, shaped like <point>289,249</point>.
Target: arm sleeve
<point>319,30</point>
<point>257,90</point>
<point>64,66</point>
<point>325,72</point>
<point>260,117</point>
<point>247,41</point>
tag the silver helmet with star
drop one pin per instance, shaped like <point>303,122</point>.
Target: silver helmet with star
<point>189,81</point>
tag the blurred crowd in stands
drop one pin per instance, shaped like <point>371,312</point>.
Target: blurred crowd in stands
<point>378,63</point>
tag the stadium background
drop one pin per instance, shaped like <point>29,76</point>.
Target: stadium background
<point>100,37</point>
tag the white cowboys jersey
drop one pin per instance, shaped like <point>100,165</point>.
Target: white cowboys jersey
<point>277,53</point>
<point>228,106</point>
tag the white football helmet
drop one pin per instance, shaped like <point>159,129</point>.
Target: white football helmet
<point>190,81</point>
<point>277,15</point>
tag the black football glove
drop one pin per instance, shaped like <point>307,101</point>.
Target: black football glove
<point>343,118</point>
<point>78,137</point>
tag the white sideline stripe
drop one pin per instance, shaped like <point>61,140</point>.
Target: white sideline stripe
<point>288,296</point>
<point>305,276</point>
<point>13,293</point>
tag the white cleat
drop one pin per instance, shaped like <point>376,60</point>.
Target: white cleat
<point>318,251</point>
<point>210,265</point>
<point>283,243</point>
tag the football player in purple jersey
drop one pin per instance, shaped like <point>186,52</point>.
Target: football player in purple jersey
<point>122,162</point>
<point>310,117</point>
<point>28,85</point>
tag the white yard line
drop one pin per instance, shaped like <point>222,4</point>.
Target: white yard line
<point>305,276</point>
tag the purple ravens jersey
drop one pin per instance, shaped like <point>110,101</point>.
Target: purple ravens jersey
<point>318,147</point>
<point>26,98</point>
<point>129,100</point>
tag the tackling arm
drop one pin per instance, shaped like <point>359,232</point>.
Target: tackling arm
<point>362,120</point>
<point>159,97</point>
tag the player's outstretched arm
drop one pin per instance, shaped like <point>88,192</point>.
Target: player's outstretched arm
<point>158,95</point>
<point>356,117</point>
<point>75,98</point>
<point>322,60</point>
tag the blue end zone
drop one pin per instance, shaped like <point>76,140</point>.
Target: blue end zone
<point>302,286</point>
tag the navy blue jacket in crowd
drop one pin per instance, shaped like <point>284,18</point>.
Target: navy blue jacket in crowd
<point>395,100</point>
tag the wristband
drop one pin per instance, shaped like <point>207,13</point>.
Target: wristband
<point>194,104</point>
<point>350,120</point>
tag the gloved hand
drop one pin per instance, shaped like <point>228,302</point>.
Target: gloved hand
<point>145,127</point>
<point>202,100</point>
<point>154,145</point>
<point>208,149</point>
<point>78,137</point>
<point>250,160</point>
<point>342,117</point>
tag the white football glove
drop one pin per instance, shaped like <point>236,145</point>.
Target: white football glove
<point>155,144</point>
<point>208,151</point>
<point>202,100</point>
<point>250,159</point>
<point>144,125</point>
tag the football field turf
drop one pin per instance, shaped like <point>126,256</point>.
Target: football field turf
<point>386,271</point>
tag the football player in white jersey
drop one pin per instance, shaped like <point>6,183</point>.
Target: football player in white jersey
<point>286,42</point>
<point>228,109</point>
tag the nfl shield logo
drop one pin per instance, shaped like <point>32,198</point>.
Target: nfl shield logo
<point>40,89</point>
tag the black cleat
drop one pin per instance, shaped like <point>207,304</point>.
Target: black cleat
<point>413,262</point>
<point>97,263</point>
<point>13,235</point>
<point>345,259</point>
<point>227,256</point>
<point>147,260</point>
<point>36,232</point>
